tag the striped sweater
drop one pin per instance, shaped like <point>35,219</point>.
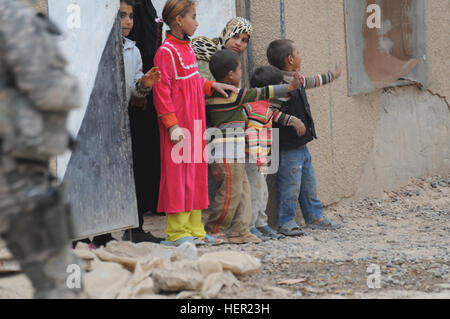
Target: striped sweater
<point>227,115</point>
<point>281,104</point>
<point>259,118</point>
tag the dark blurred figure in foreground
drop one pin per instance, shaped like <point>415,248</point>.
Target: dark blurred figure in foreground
<point>36,96</point>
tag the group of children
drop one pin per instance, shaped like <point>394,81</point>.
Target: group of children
<point>240,155</point>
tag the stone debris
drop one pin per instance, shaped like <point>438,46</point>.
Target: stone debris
<point>5,254</point>
<point>185,251</point>
<point>209,266</point>
<point>188,295</point>
<point>178,276</point>
<point>106,280</point>
<point>238,263</point>
<point>215,282</point>
<point>9,266</point>
<point>125,270</point>
<point>7,262</point>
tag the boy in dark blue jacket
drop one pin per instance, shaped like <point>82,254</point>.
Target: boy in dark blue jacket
<point>296,177</point>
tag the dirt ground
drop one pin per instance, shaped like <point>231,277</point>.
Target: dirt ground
<point>405,235</point>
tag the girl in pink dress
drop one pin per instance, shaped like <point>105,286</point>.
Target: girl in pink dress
<point>180,105</point>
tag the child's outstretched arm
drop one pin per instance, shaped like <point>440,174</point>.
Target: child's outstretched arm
<point>270,92</point>
<point>322,79</point>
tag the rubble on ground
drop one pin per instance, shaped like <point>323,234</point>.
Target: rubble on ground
<point>125,270</point>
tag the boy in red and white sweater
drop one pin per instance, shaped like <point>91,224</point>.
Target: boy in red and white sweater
<point>259,118</point>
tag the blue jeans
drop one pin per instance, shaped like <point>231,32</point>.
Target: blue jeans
<point>297,182</point>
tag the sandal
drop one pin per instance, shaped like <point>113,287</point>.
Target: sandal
<point>268,232</point>
<point>291,229</point>
<point>208,241</point>
<point>325,224</point>
<point>222,237</point>
<point>248,238</point>
<point>259,234</point>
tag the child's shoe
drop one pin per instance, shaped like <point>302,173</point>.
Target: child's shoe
<point>209,240</point>
<point>258,234</point>
<point>325,224</point>
<point>139,236</point>
<point>268,232</point>
<point>291,229</point>
<point>248,238</point>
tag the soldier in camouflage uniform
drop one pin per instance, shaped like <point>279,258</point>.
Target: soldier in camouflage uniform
<point>36,95</point>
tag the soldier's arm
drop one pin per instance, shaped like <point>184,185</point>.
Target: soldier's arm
<point>31,56</point>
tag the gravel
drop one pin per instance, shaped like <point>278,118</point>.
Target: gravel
<point>405,233</point>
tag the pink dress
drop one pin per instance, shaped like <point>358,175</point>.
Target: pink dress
<point>179,98</point>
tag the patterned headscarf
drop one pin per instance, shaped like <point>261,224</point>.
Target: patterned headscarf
<point>205,48</point>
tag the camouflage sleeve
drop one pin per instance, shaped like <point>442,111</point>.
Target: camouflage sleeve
<point>31,56</point>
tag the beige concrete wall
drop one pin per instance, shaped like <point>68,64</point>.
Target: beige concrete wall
<point>412,139</point>
<point>438,20</point>
<point>350,128</point>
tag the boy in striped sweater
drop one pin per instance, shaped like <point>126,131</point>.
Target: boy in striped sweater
<point>231,213</point>
<point>296,177</point>
<point>259,118</point>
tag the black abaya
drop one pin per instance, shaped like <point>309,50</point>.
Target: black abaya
<point>143,121</point>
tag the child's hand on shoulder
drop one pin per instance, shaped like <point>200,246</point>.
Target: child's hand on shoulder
<point>295,83</point>
<point>298,125</point>
<point>338,69</point>
<point>151,77</point>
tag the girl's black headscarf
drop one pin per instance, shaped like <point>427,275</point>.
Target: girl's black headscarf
<point>146,32</point>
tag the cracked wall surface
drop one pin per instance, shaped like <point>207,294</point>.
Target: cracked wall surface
<point>412,139</point>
